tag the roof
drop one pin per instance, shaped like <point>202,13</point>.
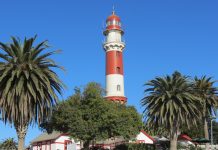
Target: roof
<point>146,134</point>
<point>113,17</point>
<point>184,137</point>
<point>45,136</point>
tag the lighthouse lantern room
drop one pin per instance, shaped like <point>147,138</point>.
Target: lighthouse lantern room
<point>114,47</point>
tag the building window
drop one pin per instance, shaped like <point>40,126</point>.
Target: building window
<point>109,23</point>
<point>118,87</point>
<point>117,23</point>
<point>118,69</point>
<point>117,53</point>
<point>66,143</point>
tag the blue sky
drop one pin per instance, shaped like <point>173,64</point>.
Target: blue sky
<point>161,37</point>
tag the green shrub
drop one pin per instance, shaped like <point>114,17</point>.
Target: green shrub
<point>191,147</point>
<point>140,146</point>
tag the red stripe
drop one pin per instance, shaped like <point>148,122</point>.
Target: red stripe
<point>148,135</point>
<point>114,62</point>
<point>113,17</point>
<point>121,99</point>
<point>57,143</point>
<point>115,27</point>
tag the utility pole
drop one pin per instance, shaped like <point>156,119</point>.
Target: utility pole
<point>211,131</point>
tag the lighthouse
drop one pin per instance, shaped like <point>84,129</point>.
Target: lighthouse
<point>114,46</point>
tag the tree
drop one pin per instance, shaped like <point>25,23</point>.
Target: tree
<point>194,131</point>
<point>215,132</point>
<point>8,144</point>
<point>87,116</point>
<point>170,102</point>
<point>207,92</point>
<point>198,131</point>
<point>155,131</point>
<point>28,85</point>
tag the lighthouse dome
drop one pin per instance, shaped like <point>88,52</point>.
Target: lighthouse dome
<point>113,23</point>
<point>113,17</point>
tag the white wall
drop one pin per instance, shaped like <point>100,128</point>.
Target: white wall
<point>45,146</point>
<point>112,80</point>
<point>113,36</point>
<point>58,144</point>
<point>142,137</point>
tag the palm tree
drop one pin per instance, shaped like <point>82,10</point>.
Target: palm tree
<point>8,144</point>
<point>169,103</point>
<point>28,85</point>
<point>207,92</point>
<point>155,131</point>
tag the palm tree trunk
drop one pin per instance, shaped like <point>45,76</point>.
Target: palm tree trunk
<point>173,142</point>
<point>173,137</point>
<point>206,134</point>
<point>21,134</point>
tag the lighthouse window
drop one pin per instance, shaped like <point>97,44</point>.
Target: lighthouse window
<point>117,53</point>
<point>118,87</point>
<point>109,23</point>
<point>118,69</point>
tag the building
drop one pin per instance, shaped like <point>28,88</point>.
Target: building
<point>114,47</point>
<point>54,141</point>
<point>185,140</point>
<point>143,137</point>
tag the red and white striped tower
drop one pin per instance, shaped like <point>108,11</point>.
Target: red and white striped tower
<point>114,47</point>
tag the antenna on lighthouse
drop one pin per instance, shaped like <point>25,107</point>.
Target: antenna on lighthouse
<point>113,10</point>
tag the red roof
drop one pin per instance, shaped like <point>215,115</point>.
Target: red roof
<point>184,137</point>
<point>148,135</point>
<point>113,17</point>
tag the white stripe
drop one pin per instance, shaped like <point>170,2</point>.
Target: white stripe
<point>114,85</point>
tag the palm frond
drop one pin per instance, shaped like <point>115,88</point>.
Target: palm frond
<point>29,88</point>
